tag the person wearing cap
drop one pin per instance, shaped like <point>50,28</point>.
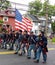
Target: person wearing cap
<point>11,39</point>
<point>32,43</point>
<point>18,41</point>
<point>42,43</point>
<point>24,42</point>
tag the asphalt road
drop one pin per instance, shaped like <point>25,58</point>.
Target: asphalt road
<point>12,59</point>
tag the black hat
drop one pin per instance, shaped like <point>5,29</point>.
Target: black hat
<point>42,32</point>
<point>25,31</point>
<point>31,31</point>
<point>20,31</point>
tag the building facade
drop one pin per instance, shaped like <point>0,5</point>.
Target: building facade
<point>8,18</point>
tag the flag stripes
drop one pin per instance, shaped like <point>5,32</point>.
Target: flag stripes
<point>25,24</point>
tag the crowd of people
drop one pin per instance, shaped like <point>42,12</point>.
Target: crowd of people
<point>25,42</point>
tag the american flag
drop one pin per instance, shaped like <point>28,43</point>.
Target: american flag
<point>22,23</point>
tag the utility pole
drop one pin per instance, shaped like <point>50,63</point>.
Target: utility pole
<point>46,15</point>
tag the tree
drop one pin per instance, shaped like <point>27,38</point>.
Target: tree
<point>53,13</point>
<point>1,21</point>
<point>35,7</point>
<point>50,10</point>
<point>53,26</point>
<point>4,4</point>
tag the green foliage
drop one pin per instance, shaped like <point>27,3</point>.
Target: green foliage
<point>1,21</point>
<point>53,10</point>
<point>53,26</point>
<point>53,39</point>
<point>35,7</point>
<point>4,5</point>
<point>50,10</point>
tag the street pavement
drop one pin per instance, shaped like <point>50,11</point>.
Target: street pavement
<point>9,58</point>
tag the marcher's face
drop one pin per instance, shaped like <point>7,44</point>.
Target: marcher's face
<point>40,34</point>
<point>31,33</point>
<point>24,32</point>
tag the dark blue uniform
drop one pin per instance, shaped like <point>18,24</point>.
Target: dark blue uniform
<point>42,44</point>
<point>18,41</point>
<point>32,45</point>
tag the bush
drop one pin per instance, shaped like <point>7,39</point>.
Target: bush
<point>53,39</point>
<point>1,21</point>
